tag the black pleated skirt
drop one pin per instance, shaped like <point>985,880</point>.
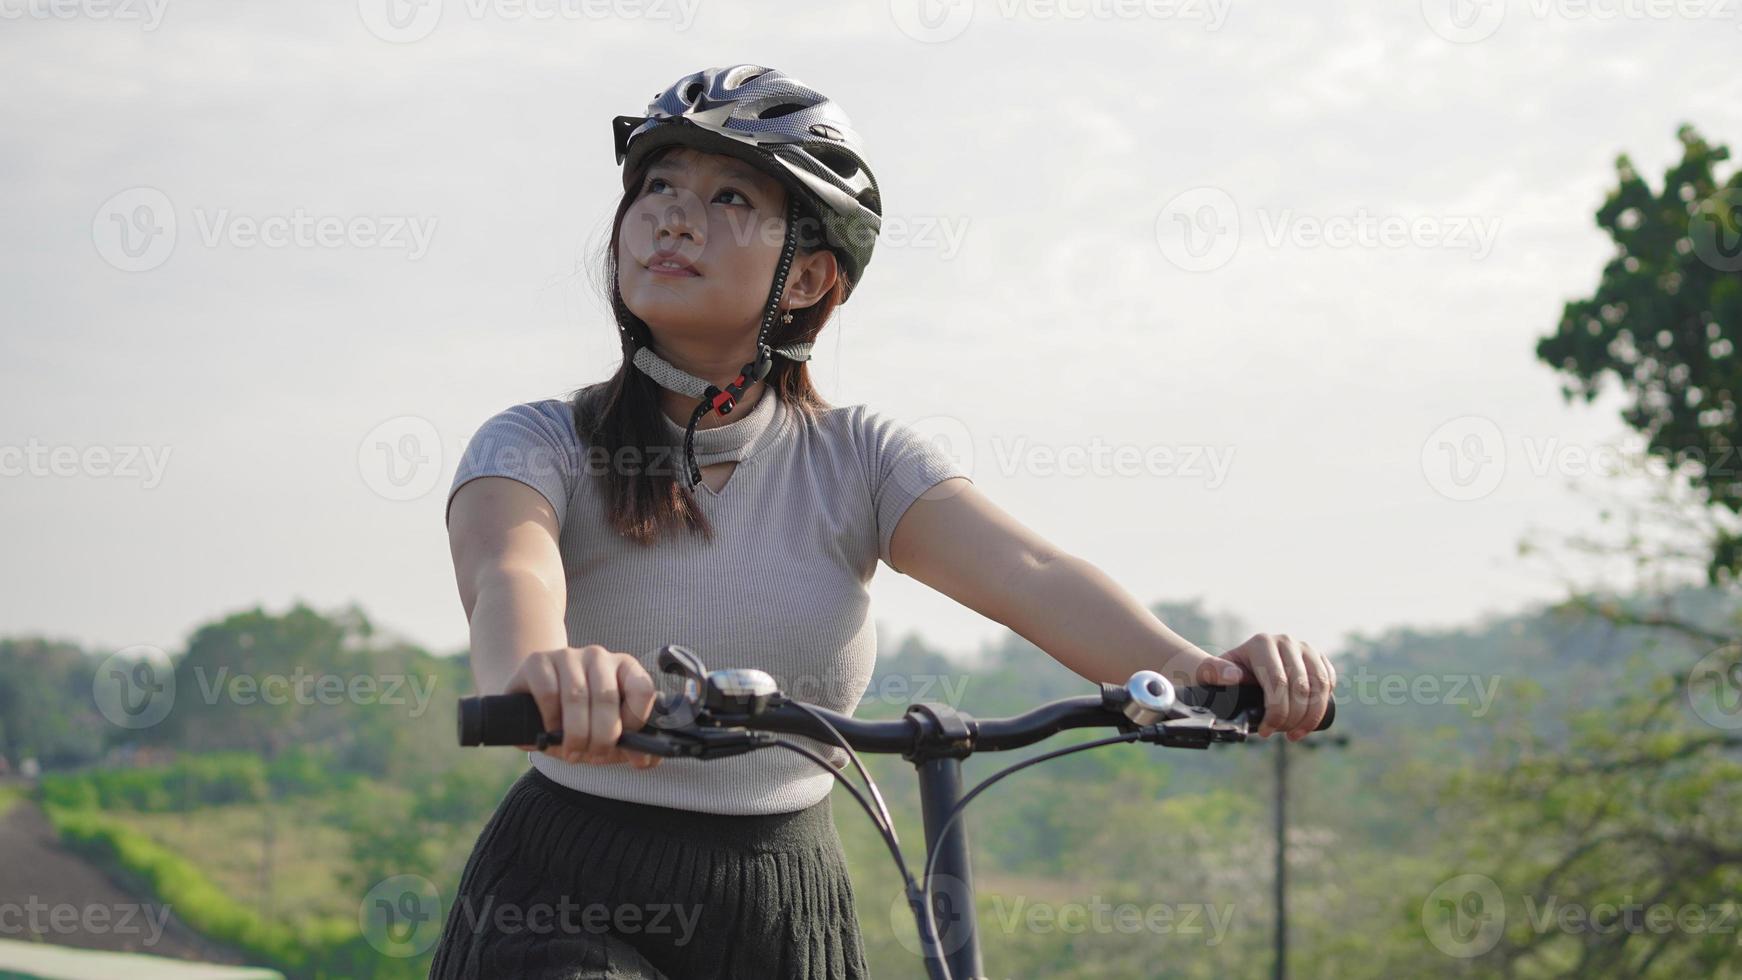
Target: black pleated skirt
<point>565,884</point>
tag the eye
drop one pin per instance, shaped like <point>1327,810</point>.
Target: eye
<point>660,181</point>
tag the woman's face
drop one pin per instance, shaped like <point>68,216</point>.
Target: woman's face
<point>722,219</point>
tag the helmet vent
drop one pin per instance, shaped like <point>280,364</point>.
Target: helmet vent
<point>841,163</point>
<point>783,109</point>
<point>743,75</point>
<point>692,93</point>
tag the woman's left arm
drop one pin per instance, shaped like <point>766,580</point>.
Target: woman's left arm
<point>954,539</point>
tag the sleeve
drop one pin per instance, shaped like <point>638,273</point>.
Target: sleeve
<point>532,443</point>
<point>904,461</point>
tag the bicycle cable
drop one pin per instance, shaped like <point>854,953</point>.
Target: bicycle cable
<point>985,784</point>
<point>916,894</point>
<point>870,784</point>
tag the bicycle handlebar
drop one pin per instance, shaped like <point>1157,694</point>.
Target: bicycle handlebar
<point>728,712</point>
<point>514,719</point>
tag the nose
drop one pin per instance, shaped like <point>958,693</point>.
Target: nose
<point>680,217</point>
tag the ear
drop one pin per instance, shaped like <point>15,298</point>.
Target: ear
<point>810,278</point>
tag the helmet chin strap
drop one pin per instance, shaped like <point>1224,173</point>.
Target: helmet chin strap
<point>723,400</point>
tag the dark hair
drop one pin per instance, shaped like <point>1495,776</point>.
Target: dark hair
<point>624,440</point>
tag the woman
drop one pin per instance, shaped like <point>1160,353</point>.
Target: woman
<point>682,502</point>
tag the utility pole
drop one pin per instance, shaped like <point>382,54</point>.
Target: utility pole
<point>1279,970</point>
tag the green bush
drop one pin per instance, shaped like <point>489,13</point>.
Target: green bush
<point>318,949</point>
<point>193,781</point>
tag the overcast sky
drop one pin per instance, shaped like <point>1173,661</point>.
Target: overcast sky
<point>1236,300</point>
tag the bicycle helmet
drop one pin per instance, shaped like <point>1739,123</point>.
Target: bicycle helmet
<point>795,134</point>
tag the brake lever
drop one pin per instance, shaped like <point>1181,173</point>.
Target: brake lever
<point>699,743</point>
<point>1194,728</point>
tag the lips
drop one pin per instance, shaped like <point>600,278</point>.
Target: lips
<point>683,270</point>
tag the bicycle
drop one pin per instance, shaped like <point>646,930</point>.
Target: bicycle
<point>729,712</point>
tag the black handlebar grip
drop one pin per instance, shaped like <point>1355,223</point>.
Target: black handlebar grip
<point>1230,701</point>
<point>500,719</point>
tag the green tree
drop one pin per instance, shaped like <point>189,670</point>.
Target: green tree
<point>1665,321</point>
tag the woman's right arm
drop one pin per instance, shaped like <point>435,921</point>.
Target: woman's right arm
<point>503,538</point>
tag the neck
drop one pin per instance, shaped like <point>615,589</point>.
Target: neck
<point>714,365</point>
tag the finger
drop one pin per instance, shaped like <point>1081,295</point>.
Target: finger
<point>1300,683</point>
<point>639,696</point>
<point>1319,701</point>
<point>639,693</point>
<point>577,736</point>
<point>1265,661</point>
<point>1216,670</point>
<point>605,701</point>
<point>538,677</point>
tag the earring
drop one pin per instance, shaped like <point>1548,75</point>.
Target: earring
<point>787,318</point>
